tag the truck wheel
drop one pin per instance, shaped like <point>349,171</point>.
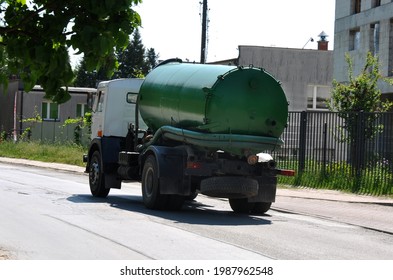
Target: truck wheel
<point>150,185</point>
<point>243,206</point>
<point>261,207</point>
<point>174,202</point>
<point>96,177</point>
<point>191,197</point>
<point>229,187</point>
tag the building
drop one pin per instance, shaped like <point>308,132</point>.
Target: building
<point>363,26</point>
<point>8,107</point>
<point>306,75</point>
<point>19,108</point>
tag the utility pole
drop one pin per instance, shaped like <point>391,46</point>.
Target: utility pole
<point>204,31</point>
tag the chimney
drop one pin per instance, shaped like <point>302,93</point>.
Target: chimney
<point>322,43</point>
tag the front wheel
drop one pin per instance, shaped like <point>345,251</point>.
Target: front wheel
<point>96,176</point>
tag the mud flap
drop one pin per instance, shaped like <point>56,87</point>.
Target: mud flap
<point>267,189</point>
<point>171,162</point>
<point>112,181</point>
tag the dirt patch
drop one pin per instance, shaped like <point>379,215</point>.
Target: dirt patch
<point>4,255</point>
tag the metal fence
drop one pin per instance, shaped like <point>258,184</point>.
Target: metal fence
<point>351,151</point>
<point>56,132</point>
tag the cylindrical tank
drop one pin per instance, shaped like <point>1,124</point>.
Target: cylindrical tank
<point>214,99</point>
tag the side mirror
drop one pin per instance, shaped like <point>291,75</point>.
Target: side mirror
<point>131,97</point>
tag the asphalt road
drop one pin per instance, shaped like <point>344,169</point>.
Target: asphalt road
<point>49,214</point>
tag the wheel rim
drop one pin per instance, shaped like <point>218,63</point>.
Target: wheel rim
<point>94,172</point>
<point>149,182</point>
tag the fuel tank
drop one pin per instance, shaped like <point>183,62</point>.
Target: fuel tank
<point>214,99</point>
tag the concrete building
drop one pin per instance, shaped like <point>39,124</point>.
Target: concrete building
<point>362,26</point>
<point>7,108</point>
<point>306,75</point>
<point>17,106</point>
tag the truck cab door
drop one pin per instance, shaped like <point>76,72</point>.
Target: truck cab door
<point>97,118</point>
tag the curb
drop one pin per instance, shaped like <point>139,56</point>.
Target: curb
<point>47,165</point>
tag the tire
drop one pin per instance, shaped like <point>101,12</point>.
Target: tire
<point>174,202</point>
<point>150,185</point>
<point>96,176</point>
<point>242,206</point>
<point>191,197</point>
<point>261,207</point>
<point>229,187</point>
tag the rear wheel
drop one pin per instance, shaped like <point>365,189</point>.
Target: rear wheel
<point>96,176</point>
<point>240,205</point>
<point>244,207</point>
<point>150,185</point>
<point>191,197</point>
<point>261,207</point>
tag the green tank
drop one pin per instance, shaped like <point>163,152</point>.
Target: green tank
<point>211,100</point>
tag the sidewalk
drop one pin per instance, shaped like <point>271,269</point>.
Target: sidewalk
<point>333,195</point>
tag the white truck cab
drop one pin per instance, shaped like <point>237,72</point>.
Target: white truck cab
<point>113,108</point>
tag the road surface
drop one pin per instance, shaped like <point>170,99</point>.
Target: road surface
<point>50,215</point>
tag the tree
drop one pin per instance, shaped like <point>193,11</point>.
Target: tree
<point>84,78</point>
<point>360,94</point>
<point>36,38</point>
<point>151,59</point>
<point>131,60</point>
<point>358,102</point>
<point>134,61</point>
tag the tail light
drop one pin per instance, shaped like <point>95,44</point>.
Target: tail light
<point>286,172</point>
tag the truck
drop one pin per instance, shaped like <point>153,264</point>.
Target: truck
<point>189,129</point>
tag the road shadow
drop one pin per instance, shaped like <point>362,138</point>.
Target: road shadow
<point>193,212</point>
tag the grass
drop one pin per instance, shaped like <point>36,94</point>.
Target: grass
<point>376,179</point>
<point>60,153</point>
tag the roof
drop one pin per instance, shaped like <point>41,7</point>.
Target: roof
<point>71,90</point>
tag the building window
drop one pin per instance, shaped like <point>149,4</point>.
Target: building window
<point>50,111</point>
<point>81,110</point>
<point>354,39</point>
<point>374,38</point>
<point>317,97</point>
<point>375,3</point>
<point>390,61</point>
<point>356,6</point>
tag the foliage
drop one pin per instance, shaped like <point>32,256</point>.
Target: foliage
<point>360,94</point>
<point>37,36</point>
<point>375,179</point>
<point>3,136</point>
<point>134,62</point>
<point>151,58</point>
<point>80,123</point>
<point>32,121</point>
<point>36,117</point>
<point>85,78</point>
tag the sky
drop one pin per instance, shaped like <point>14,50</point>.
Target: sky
<point>173,27</point>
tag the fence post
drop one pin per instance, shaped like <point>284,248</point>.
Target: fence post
<point>324,152</point>
<point>358,150</point>
<point>302,141</point>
